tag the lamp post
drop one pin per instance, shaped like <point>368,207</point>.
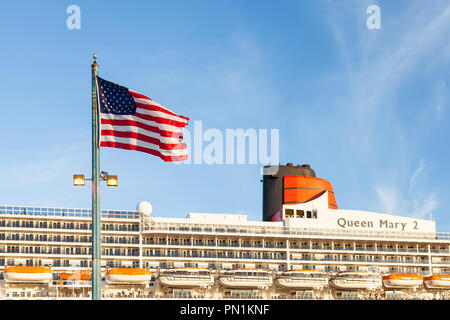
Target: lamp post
<point>96,226</point>
<point>97,176</point>
<point>111,181</point>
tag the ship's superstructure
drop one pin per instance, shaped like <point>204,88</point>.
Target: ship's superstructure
<point>306,249</point>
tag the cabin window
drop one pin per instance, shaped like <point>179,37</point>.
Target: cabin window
<point>289,213</point>
<point>314,214</point>
<point>300,213</point>
<point>308,214</point>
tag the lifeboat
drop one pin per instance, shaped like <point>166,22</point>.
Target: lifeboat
<point>28,274</point>
<point>437,281</point>
<point>77,275</point>
<point>127,276</point>
<point>356,280</point>
<point>301,279</point>
<point>246,279</point>
<point>407,280</point>
<point>186,278</point>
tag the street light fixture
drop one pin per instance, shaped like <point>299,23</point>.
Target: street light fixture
<point>111,180</point>
<point>78,180</point>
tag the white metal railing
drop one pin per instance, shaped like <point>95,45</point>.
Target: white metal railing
<point>217,228</point>
<point>66,212</point>
<point>286,231</point>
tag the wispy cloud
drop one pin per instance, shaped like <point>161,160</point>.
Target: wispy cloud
<point>417,202</point>
<point>439,100</point>
<point>381,63</point>
<point>378,66</point>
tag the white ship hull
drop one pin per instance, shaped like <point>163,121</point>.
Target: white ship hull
<point>231,282</point>
<point>173,282</point>
<point>127,279</point>
<point>438,284</point>
<point>301,283</point>
<point>351,284</point>
<point>401,283</point>
<point>17,277</point>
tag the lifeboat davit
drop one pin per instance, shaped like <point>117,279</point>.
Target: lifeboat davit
<point>127,276</point>
<point>186,278</point>
<point>406,280</point>
<point>300,279</point>
<point>356,280</point>
<point>77,275</point>
<point>28,274</point>
<point>437,281</point>
<point>246,279</point>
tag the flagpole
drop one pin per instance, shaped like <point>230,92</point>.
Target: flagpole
<point>96,239</point>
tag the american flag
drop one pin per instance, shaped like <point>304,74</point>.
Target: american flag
<point>129,120</point>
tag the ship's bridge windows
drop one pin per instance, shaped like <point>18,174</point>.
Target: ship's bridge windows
<point>289,213</point>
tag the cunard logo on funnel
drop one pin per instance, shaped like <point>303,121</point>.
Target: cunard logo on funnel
<point>235,146</point>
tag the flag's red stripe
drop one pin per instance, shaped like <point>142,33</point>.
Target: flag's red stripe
<point>157,108</point>
<point>143,137</point>
<point>142,149</point>
<point>141,96</point>
<point>160,120</point>
<point>138,95</point>
<point>138,124</point>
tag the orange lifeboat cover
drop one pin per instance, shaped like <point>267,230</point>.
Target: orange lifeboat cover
<point>445,277</point>
<point>28,269</point>
<point>128,271</point>
<point>403,276</point>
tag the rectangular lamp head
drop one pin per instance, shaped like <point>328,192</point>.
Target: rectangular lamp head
<point>78,180</point>
<point>112,181</point>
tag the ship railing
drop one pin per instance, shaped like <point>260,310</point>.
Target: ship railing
<point>193,276</point>
<point>69,240</point>
<point>244,295</point>
<point>276,231</point>
<point>344,259</point>
<point>213,255</point>
<point>66,212</point>
<point>74,228</point>
<point>244,278</point>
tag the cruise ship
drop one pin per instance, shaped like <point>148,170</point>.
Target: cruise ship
<point>305,247</point>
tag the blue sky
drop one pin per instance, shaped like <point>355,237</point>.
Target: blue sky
<point>368,109</point>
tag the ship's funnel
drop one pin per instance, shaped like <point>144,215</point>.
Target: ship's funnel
<point>289,184</point>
